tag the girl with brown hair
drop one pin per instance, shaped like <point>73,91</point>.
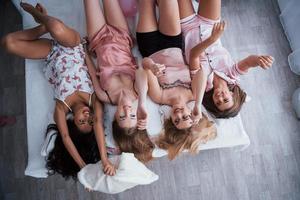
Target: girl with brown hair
<point>204,52</point>
<point>116,79</point>
<point>168,76</point>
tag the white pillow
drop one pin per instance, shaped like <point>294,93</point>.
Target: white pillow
<point>130,173</point>
<point>294,61</point>
<point>290,21</point>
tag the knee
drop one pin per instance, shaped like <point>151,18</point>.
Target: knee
<point>8,42</point>
<point>57,28</point>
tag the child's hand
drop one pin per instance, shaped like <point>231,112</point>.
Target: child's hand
<point>196,115</point>
<point>217,30</point>
<point>263,61</point>
<point>141,118</point>
<point>158,69</point>
<point>108,168</point>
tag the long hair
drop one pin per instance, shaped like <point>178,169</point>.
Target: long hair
<point>239,97</point>
<point>60,161</point>
<point>133,141</point>
<point>176,140</point>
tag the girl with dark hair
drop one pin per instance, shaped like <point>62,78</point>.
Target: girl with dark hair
<point>116,79</point>
<point>160,43</point>
<point>60,161</point>
<point>204,52</point>
<point>67,73</point>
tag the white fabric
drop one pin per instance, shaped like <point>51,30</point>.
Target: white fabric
<point>289,18</point>
<point>40,103</point>
<point>294,61</point>
<point>130,173</point>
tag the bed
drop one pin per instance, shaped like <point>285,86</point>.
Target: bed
<point>40,102</point>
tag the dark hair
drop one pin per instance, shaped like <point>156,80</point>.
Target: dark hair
<point>133,141</point>
<point>60,161</point>
<point>239,97</point>
<point>176,140</point>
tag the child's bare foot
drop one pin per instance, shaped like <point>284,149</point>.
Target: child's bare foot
<point>264,61</point>
<point>36,11</point>
<point>41,8</point>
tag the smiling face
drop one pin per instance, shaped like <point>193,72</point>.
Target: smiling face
<point>181,116</point>
<point>83,119</point>
<point>223,98</point>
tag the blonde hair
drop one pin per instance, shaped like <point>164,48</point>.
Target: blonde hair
<point>133,141</point>
<point>176,140</point>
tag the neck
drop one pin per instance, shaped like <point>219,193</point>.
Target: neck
<point>77,105</point>
<point>178,100</point>
<point>126,98</point>
<point>218,82</point>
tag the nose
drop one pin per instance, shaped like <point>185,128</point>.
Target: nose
<point>127,110</point>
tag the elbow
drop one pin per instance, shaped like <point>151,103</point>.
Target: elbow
<point>147,62</point>
<point>9,43</point>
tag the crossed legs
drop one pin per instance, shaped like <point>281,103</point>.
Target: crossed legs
<point>28,44</point>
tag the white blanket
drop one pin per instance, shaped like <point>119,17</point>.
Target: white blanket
<point>40,103</point>
<point>130,172</point>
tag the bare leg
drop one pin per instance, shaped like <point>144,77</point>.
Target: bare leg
<point>168,22</point>
<point>147,18</point>
<point>185,8</point>
<point>210,9</point>
<point>27,44</point>
<point>58,30</point>
<point>94,17</point>
<point>114,15</point>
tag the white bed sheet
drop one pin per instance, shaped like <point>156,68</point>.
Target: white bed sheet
<point>40,103</point>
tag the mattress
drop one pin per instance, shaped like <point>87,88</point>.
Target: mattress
<point>40,102</point>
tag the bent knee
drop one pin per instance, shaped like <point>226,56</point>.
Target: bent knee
<point>57,28</point>
<point>9,42</point>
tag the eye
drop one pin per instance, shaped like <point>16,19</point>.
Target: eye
<point>176,121</point>
<point>226,100</point>
<point>132,115</point>
<point>186,117</point>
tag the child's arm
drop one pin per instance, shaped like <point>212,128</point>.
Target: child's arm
<point>92,72</point>
<point>108,168</point>
<point>141,85</point>
<point>60,120</point>
<point>196,51</point>
<point>199,82</point>
<point>263,61</point>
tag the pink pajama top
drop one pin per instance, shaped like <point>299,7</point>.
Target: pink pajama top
<point>177,72</point>
<point>215,59</point>
<point>113,49</point>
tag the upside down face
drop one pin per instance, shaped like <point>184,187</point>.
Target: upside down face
<point>181,116</point>
<point>83,119</point>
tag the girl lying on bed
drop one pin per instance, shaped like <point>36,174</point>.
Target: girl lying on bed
<point>204,52</point>
<point>169,78</point>
<point>116,79</point>
<point>67,73</point>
